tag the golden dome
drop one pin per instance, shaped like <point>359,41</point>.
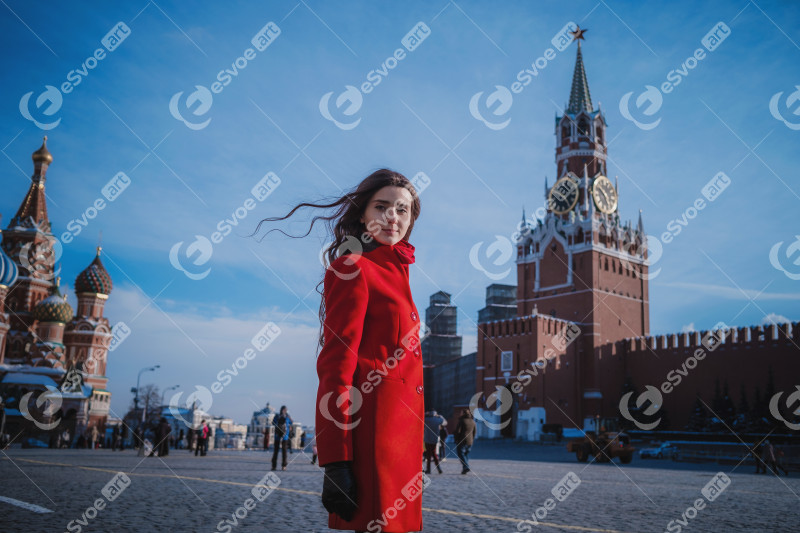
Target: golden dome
<point>42,154</point>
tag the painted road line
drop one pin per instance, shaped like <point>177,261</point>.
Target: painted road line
<point>25,505</point>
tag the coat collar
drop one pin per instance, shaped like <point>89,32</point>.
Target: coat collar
<point>402,251</point>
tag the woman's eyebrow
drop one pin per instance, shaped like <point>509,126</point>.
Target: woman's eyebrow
<point>400,202</point>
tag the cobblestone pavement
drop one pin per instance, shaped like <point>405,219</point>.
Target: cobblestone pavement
<point>509,483</point>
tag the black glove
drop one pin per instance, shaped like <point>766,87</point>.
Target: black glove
<point>339,489</point>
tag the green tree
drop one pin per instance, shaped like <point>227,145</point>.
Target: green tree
<point>699,419</point>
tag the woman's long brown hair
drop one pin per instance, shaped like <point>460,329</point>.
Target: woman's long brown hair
<point>345,221</point>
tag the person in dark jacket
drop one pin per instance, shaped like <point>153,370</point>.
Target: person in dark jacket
<point>115,438</point>
<point>163,431</point>
<point>442,444</point>
<point>283,425</point>
<point>464,436</point>
<point>202,439</point>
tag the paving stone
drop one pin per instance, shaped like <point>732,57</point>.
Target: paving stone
<point>509,484</point>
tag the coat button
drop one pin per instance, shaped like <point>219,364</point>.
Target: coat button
<point>413,316</point>
<point>419,389</point>
<point>416,352</point>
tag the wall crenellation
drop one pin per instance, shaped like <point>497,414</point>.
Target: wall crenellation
<point>746,337</point>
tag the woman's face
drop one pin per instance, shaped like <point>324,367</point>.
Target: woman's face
<point>388,214</point>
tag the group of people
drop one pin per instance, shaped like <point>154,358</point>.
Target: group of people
<point>768,457</point>
<point>158,438</point>
<point>197,439</point>
<point>436,436</point>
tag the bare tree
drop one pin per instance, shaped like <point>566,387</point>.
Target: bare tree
<point>149,398</point>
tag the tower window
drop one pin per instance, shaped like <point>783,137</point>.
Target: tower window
<point>565,132</point>
<point>583,127</point>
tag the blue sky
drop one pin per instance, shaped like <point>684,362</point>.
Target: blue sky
<point>185,181</point>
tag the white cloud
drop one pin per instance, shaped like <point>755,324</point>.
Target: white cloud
<point>733,292</point>
<point>688,328</point>
<point>774,318</point>
<point>193,349</point>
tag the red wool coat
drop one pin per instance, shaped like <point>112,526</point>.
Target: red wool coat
<point>370,406</point>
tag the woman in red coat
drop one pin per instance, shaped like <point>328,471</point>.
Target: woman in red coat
<point>370,408</point>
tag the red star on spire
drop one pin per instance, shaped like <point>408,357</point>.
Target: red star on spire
<point>578,33</point>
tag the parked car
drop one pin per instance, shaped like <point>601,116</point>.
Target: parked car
<point>665,449</point>
<point>30,442</point>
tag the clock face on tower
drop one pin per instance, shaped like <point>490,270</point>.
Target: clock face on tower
<point>604,195</point>
<point>564,195</point>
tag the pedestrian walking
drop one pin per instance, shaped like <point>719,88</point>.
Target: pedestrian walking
<point>464,436</point>
<point>369,443</point>
<point>282,423</point>
<point>93,435</point>
<point>190,439</point>
<point>433,423</point>
<point>266,439</point>
<point>771,457</point>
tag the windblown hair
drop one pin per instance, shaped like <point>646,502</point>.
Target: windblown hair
<point>344,223</point>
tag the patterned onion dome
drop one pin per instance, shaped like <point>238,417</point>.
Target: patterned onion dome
<point>8,269</point>
<point>54,308</point>
<point>94,279</point>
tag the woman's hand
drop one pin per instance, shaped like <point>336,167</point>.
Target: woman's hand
<point>339,489</point>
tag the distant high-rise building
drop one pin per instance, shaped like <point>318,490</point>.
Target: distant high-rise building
<point>501,303</point>
<point>443,342</point>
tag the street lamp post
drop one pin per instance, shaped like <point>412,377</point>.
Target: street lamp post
<point>165,392</point>
<point>138,379</point>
